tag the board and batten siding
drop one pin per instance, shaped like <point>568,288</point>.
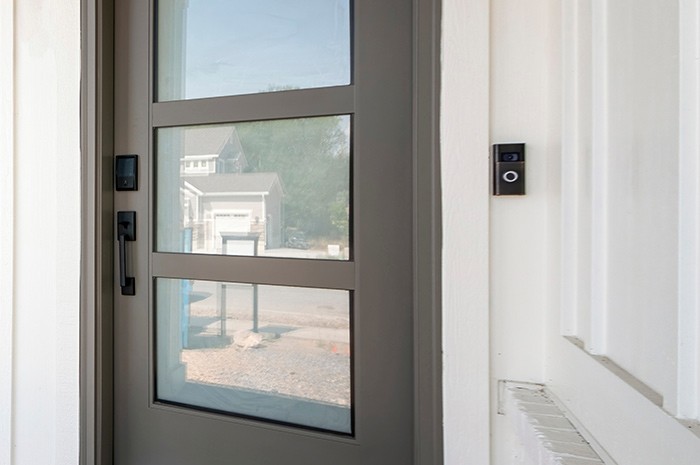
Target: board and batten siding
<point>629,368</point>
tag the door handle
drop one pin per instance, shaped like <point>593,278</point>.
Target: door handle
<point>126,231</point>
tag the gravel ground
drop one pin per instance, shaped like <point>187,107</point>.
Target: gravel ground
<point>301,351</point>
<point>310,369</point>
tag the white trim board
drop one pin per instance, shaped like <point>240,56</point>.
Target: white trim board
<point>7,154</point>
<point>464,151</point>
<point>689,214</point>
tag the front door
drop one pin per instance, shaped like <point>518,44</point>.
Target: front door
<point>269,235</point>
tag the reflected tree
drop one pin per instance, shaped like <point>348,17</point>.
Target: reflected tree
<point>311,157</point>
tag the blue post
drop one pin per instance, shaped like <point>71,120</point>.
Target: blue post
<point>186,290</point>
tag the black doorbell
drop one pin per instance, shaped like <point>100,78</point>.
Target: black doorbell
<point>509,169</point>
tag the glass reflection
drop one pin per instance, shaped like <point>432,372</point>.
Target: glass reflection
<point>269,188</point>
<point>209,48</point>
<point>274,352</point>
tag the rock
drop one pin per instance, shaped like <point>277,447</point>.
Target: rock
<point>247,339</point>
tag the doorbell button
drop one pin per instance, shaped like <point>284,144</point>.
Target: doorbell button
<point>510,176</point>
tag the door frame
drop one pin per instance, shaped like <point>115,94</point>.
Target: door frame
<point>97,283</point>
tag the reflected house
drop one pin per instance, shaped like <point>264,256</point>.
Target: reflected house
<point>212,150</point>
<point>218,197</point>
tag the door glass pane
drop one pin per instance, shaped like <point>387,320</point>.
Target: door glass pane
<point>274,352</point>
<point>271,188</point>
<point>210,48</point>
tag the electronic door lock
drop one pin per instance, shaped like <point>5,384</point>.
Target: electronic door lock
<point>509,169</point>
<point>126,170</point>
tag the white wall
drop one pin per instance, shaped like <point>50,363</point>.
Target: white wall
<point>523,89</point>
<point>40,252</point>
<point>500,84</point>
<point>525,107</point>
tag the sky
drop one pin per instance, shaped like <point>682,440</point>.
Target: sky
<point>242,46</point>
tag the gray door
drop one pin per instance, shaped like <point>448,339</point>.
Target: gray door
<point>270,315</point>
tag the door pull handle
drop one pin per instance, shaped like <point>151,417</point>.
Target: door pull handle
<point>126,231</point>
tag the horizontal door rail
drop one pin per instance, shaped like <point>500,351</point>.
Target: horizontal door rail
<point>326,274</point>
<point>274,105</point>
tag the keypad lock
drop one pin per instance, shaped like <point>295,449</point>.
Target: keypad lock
<point>126,172</point>
<point>509,169</point>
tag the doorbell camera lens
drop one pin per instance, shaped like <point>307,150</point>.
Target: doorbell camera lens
<point>511,156</point>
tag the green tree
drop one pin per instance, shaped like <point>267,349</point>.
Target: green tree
<point>340,214</point>
<point>311,157</point>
